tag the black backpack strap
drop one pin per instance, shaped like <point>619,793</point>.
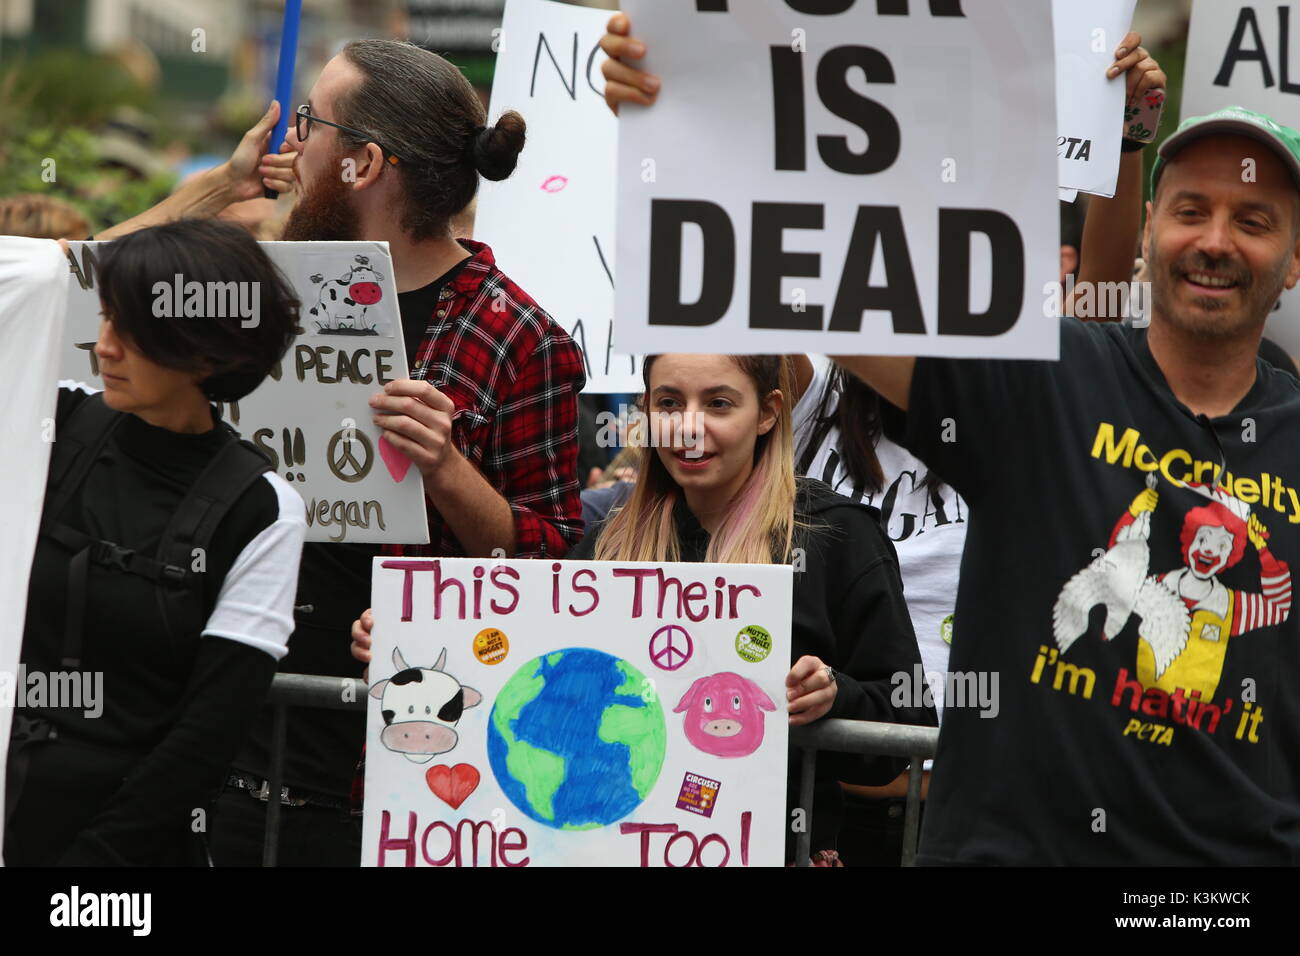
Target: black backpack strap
<point>79,442</point>
<point>166,577</point>
<point>223,482</point>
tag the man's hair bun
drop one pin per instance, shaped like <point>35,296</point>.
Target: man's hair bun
<point>496,149</point>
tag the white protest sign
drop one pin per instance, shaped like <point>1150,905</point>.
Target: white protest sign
<point>1088,105</point>
<point>551,224</point>
<point>861,182</point>
<point>1240,54</point>
<point>312,415</point>
<point>33,291</point>
<point>569,713</point>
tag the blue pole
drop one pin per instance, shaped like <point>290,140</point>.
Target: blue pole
<point>284,77</point>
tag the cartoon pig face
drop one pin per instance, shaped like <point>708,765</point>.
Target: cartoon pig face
<point>724,714</point>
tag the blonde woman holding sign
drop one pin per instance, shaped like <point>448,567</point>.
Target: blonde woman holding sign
<point>722,489</point>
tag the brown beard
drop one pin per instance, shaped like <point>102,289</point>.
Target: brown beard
<point>1217,322</point>
<point>324,213</point>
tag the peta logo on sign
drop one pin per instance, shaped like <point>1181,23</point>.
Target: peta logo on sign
<point>1071,147</point>
<point>75,908</point>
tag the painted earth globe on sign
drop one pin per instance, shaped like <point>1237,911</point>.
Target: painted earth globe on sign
<point>573,741</point>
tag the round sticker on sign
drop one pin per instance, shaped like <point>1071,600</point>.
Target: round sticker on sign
<point>491,646</point>
<point>945,629</point>
<point>753,643</point>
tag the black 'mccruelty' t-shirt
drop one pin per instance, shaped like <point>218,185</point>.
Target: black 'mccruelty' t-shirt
<point>1135,604</point>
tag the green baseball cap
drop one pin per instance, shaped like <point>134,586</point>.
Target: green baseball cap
<point>1233,120</point>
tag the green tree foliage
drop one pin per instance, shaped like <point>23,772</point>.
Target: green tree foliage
<point>47,146</point>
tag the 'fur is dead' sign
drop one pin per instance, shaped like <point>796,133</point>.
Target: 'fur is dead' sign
<point>571,713</point>
<point>312,415</point>
<point>869,177</point>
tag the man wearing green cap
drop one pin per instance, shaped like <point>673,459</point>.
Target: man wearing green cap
<point>1147,714</point>
<point>1206,147</point>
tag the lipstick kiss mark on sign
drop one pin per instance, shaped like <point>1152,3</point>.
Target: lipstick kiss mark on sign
<point>554,184</point>
<point>452,785</point>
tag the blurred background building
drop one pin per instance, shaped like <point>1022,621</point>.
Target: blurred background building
<point>107,104</point>
<point>126,97</point>
<point>240,38</point>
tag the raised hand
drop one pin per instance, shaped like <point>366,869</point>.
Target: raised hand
<point>623,83</point>
<point>1257,533</point>
<point>1146,84</point>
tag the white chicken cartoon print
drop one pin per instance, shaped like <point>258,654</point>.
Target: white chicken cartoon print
<point>1118,579</point>
<point>1187,616</point>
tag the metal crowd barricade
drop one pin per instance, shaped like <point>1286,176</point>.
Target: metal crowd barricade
<point>847,736</point>
<point>864,737</point>
<point>299,690</point>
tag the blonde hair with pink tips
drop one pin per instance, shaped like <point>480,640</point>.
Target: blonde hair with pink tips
<point>759,526</point>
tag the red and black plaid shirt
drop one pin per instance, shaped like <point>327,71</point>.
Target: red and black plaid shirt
<point>514,376</point>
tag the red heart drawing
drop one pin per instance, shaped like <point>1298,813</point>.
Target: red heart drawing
<point>452,785</point>
<point>398,464</point>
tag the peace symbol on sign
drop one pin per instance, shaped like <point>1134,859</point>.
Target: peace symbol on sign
<point>342,461</point>
<point>671,647</point>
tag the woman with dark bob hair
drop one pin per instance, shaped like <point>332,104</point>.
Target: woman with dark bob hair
<point>162,587</point>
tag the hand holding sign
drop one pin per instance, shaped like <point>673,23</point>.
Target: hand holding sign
<point>623,83</point>
<point>360,648</point>
<point>1145,84</point>
<point>416,419</point>
<point>810,690</point>
<point>1131,57</point>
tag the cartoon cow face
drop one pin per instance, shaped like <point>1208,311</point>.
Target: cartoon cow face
<point>724,714</point>
<point>421,707</point>
<point>343,302</point>
<point>363,283</point>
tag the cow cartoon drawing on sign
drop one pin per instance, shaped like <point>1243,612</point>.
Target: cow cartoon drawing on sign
<point>341,307</point>
<point>421,707</point>
<point>724,714</point>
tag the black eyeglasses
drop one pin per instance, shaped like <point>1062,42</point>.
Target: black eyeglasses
<point>304,119</point>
